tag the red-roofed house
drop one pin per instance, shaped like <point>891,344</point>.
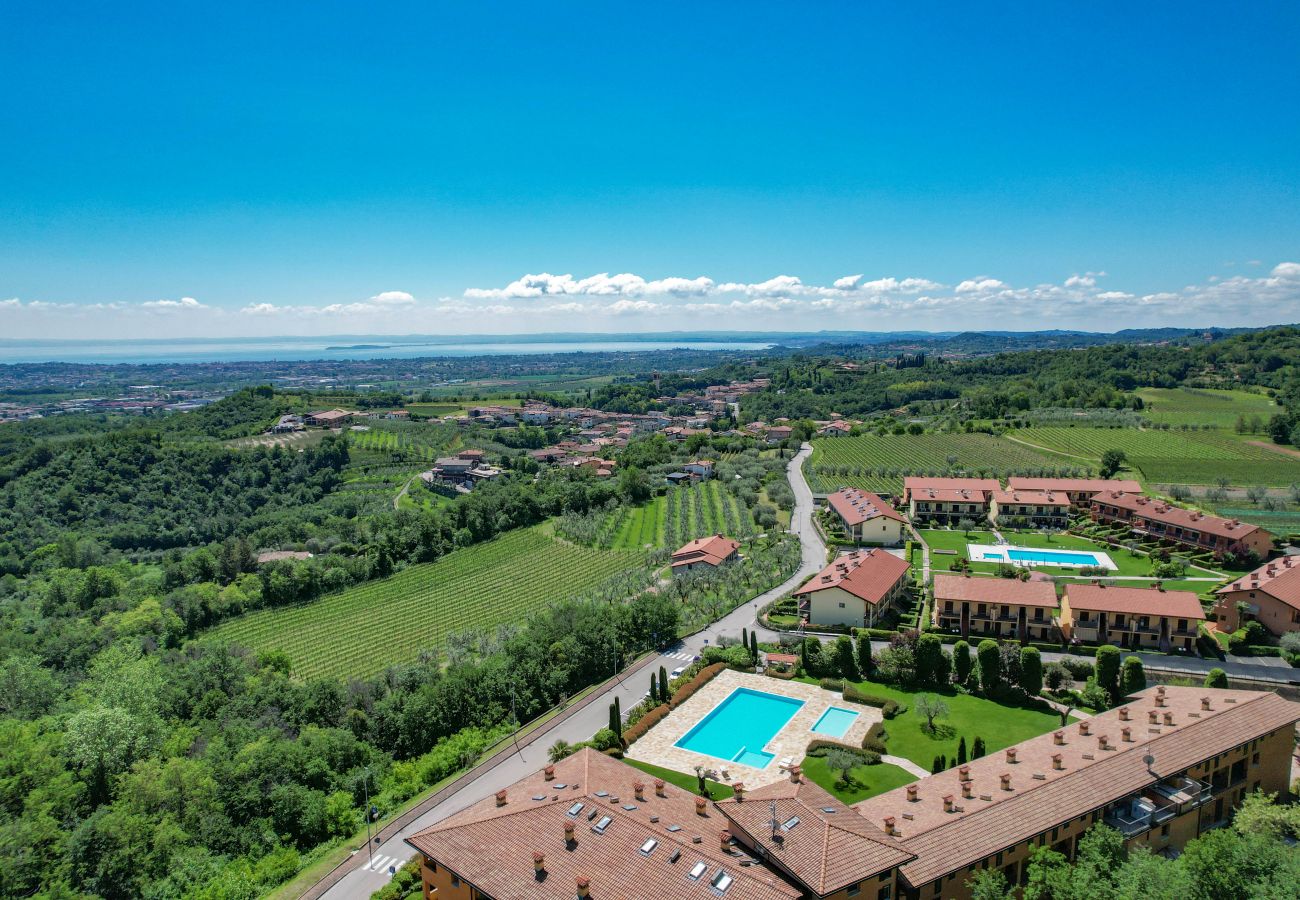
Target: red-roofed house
<point>1271,595</point>
<point>705,553</point>
<point>1079,490</point>
<point>1147,515</point>
<point>854,589</point>
<point>1137,618</point>
<point>866,518</point>
<point>948,500</point>
<point>1036,509</point>
<point>1000,607</point>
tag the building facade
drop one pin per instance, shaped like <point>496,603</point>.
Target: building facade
<point>855,589</point>
<point>995,607</point>
<point>1269,595</point>
<point>1133,618</point>
<point>1188,527</point>
<point>866,518</point>
<point>1032,509</point>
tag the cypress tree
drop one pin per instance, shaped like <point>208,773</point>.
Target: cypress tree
<point>664,694</point>
<point>961,751</point>
<point>744,638</point>
<point>753,645</point>
<point>940,763</point>
<point>1133,677</point>
<point>615,724</point>
<point>977,748</point>
<point>654,686</point>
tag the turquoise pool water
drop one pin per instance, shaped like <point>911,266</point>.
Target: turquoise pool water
<point>740,727</point>
<point>835,722</point>
<point>1060,557</point>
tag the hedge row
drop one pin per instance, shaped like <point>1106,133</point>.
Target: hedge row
<point>888,708</point>
<point>633,732</point>
<point>703,677</point>
<point>873,739</point>
<point>820,747</point>
<point>784,676</point>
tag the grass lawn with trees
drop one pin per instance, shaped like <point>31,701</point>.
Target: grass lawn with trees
<point>684,780</point>
<point>867,781</point>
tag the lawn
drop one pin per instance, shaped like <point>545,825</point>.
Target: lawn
<point>867,781</point>
<point>683,780</point>
<point>957,541</point>
<point>969,717</point>
<point>941,539</point>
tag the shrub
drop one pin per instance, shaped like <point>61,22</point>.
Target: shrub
<point>961,661</point>
<point>874,739</point>
<point>703,677</point>
<point>888,708</point>
<point>1031,671</point>
<point>783,673</point>
<point>644,724</point>
<point>1108,662</point>
<point>845,664</point>
<point>1133,677</point>
<point>1057,676</point>
<point>605,739</point>
<point>932,665</point>
<point>867,665</point>
<point>1094,695</point>
<point>820,747</point>
<point>990,657</point>
<point>1079,668</point>
<point>1216,678</point>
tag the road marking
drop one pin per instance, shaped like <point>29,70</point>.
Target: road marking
<point>380,863</point>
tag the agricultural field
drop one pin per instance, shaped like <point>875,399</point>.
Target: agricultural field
<point>413,441</point>
<point>1174,457</point>
<point>878,463</point>
<point>360,631</point>
<point>666,522</point>
<point>1201,406</point>
<point>642,526</point>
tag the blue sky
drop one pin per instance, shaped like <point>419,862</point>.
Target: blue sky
<point>329,167</point>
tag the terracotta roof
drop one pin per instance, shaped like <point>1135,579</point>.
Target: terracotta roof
<point>866,574</point>
<point>1279,578</point>
<point>1193,519</point>
<point>714,550</point>
<point>830,847</point>
<point>980,486</point>
<point>1037,498</point>
<point>1134,601</point>
<point>1074,485</point>
<point>993,819</point>
<point>855,506</point>
<point>978,589</point>
<point>492,847</point>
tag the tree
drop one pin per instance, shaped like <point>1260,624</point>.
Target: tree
<point>753,646</point>
<point>665,690</point>
<point>966,525</point>
<point>961,750</point>
<point>1108,662</point>
<point>977,748</point>
<point>1216,678</point>
<point>866,665</point>
<point>559,750</point>
<point>931,707</point>
<point>653,694</point>
<point>989,884</point>
<point>845,664</point>
<point>1132,678</point>
<point>843,763</point>
<point>1260,814</point>
<point>1031,671</point>
<point>615,722</point>
<point>744,638</point>
<point>931,664</point>
<point>940,763</point>
<point>961,662</point>
<point>990,658</point>
<point>1111,462</point>
<point>1058,677</point>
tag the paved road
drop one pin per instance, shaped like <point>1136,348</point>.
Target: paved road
<point>581,725</point>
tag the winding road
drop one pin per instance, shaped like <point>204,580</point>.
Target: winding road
<point>360,877</point>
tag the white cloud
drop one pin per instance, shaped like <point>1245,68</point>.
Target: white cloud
<point>979,285</point>
<point>846,282</point>
<point>601,285</point>
<point>392,298</point>
<point>183,303</point>
<point>1080,281</point>
<point>1288,270</point>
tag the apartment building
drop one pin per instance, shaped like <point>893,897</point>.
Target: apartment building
<point>855,589</point>
<point>1033,509</point>
<point>1135,618</point>
<point>1079,490</point>
<point>1170,764</point>
<point>1189,527</point>
<point>1270,595</point>
<point>948,500</point>
<point>995,607</point>
<point>866,518</point>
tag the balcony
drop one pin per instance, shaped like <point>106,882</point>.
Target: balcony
<point>1140,813</point>
<point>1184,793</point>
<point>982,616</point>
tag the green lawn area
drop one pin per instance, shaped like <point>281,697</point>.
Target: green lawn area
<point>941,539</point>
<point>868,781</point>
<point>969,717</point>
<point>681,779</point>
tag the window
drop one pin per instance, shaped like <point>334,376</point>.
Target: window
<point>721,881</point>
<point>885,892</point>
<point>1164,830</point>
<point>697,870</point>
<point>841,606</point>
<point>854,890</point>
<point>455,881</point>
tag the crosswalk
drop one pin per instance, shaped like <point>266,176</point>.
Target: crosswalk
<point>386,864</point>
<point>682,655</point>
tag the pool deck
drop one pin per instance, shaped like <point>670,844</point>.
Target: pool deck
<point>658,748</point>
<point>976,553</point>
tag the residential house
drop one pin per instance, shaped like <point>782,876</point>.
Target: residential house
<point>997,607</point>
<point>701,469</point>
<point>1136,618</point>
<point>855,589</point>
<point>838,428</point>
<point>328,418</point>
<point>1079,490</point>
<point>778,433</point>
<point>866,518</point>
<point>1189,527</point>
<point>1033,509</point>
<point>705,553</point>
<point>1270,595</point>
<point>947,501</point>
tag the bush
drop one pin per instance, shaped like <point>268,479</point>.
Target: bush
<point>821,747</point>
<point>1216,678</point>
<point>990,660</point>
<point>784,675</point>
<point>874,739</point>
<point>1133,677</point>
<point>606,739</point>
<point>1031,671</point>
<point>644,724</point>
<point>703,677</point>
<point>1107,675</point>
<point>888,708</point>
<point>1094,695</point>
<point>1080,669</point>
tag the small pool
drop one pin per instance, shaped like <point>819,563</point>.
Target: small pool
<point>835,722</point>
<point>1032,556</point>
<point>741,726</point>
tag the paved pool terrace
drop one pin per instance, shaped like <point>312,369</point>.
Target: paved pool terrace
<point>722,724</point>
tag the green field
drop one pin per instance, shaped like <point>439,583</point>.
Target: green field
<point>1278,521</point>
<point>1199,406</point>
<point>642,526</point>
<point>868,781</point>
<point>1174,457</point>
<point>360,631</point>
<point>878,463</point>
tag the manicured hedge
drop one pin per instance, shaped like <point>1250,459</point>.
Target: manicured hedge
<point>784,676</point>
<point>644,724</point>
<point>705,675</point>
<point>873,741</point>
<point>888,708</point>
<point>832,684</point>
<point>820,747</point>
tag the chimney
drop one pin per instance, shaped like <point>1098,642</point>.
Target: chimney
<point>1123,713</point>
<point>1011,755</point>
<point>739,790</point>
<point>569,838</point>
<point>659,788</point>
<point>1102,741</point>
<point>1160,690</point>
<point>1205,703</point>
<point>911,794</point>
<point>1057,761</point>
<point>539,865</point>
<point>1152,716</point>
<point>584,886</point>
<point>968,789</point>
<point>549,772</point>
<point>889,825</point>
<point>1160,700</point>
<point>724,841</point>
<point>1083,727</point>
<point>963,772</point>
<point>796,773</point>
<point>947,803</point>
<point>501,797</point>
<point>638,790</point>
<point>1006,781</point>
<point>701,806</point>
<point>1058,738</point>
<point>1126,733</point>
<point>1169,718</point>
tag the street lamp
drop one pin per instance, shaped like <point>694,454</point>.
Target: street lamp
<point>365,786</point>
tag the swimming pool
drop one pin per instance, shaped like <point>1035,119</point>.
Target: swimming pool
<point>835,722</point>
<point>739,727</point>
<point>1033,556</point>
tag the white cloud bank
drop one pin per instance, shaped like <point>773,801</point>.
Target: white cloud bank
<point>629,302</point>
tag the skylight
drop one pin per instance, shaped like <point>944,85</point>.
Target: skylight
<point>790,823</point>
<point>602,824</point>
<point>721,881</point>
<point>697,870</point>
<point>828,809</point>
<point>575,809</point>
<point>649,847</point>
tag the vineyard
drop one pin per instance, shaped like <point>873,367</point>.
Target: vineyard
<point>682,514</point>
<point>1175,457</point>
<point>879,463</point>
<point>362,630</point>
<point>409,441</point>
<point>1198,406</point>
